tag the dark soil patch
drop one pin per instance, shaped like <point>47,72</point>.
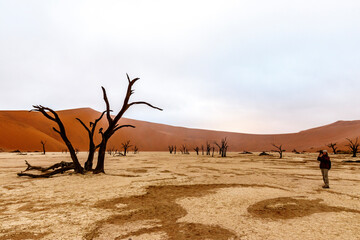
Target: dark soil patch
<point>287,208</point>
<point>159,203</point>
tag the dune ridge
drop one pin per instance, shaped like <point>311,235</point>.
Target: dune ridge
<point>23,130</point>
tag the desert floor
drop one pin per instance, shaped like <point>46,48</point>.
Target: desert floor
<point>161,196</point>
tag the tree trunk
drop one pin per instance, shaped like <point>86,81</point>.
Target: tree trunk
<point>92,148</point>
<point>78,167</point>
<point>43,147</point>
<point>101,158</point>
<point>89,162</point>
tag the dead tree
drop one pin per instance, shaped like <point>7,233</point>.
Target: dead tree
<point>111,151</point>
<point>278,150</point>
<point>222,147</point>
<point>353,146</point>
<point>43,146</point>
<point>92,147</point>
<point>184,149</point>
<point>171,148</point>
<point>113,125</point>
<point>219,148</point>
<point>197,150</point>
<point>213,150</point>
<point>126,145</point>
<point>202,149</point>
<point>53,116</point>
<point>136,150</point>
<point>295,151</point>
<point>208,148</point>
<point>332,146</point>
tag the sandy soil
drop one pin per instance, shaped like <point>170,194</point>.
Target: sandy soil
<point>161,196</point>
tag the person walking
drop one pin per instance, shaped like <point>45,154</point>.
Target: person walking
<point>325,166</point>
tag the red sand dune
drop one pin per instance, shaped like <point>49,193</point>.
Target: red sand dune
<point>23,130</point>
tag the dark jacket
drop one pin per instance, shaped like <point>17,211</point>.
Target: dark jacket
<point>325,162</point>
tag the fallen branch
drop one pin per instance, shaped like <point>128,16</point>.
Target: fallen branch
<point>61,164</point>
<point>352,161</point>
<point>46,175</point>
<point>60,167</point>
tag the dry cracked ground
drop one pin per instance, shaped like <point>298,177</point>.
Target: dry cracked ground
<point>159,196</point>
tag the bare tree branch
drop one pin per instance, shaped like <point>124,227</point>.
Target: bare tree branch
<point>119,127</point>
<point>278,150</point>
<point>56,130</point>
<point>113,122</point>
<point>353,146</point>
<point>108,116</point>
<point>134,103</point>
<point>87,129</point>
<point>55,118</point>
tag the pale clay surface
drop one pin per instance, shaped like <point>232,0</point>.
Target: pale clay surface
<point>63,207</point>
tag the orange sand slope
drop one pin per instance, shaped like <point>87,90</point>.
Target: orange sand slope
<point>23,130</point>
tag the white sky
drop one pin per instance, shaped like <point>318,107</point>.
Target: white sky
<point>246,66</point>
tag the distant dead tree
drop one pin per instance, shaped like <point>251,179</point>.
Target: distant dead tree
<point>43,146</point>
<point>136,150</point>
<point>219,148</point>
<point>184,149</point>
<point>295,151</point>
<point>126,145</point>
<point>116,152</point>
<point>113,125</point>
<point>111,151</point>
<point>53,116</point>
<point>223,146</point>
<point>92,147</point>
<point>278,150</point>
<point>263,153</point>
<point>213,150</point>
<point>197,150</point>
<point>245,152</point>
<point>333,147</point>
<point>171,148</point>
<point>208,148</point>
<point>175,149</point>
<point>353,146</point>
<point>202,149</point>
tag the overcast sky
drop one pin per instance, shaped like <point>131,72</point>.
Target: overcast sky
<point>246,66</point>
